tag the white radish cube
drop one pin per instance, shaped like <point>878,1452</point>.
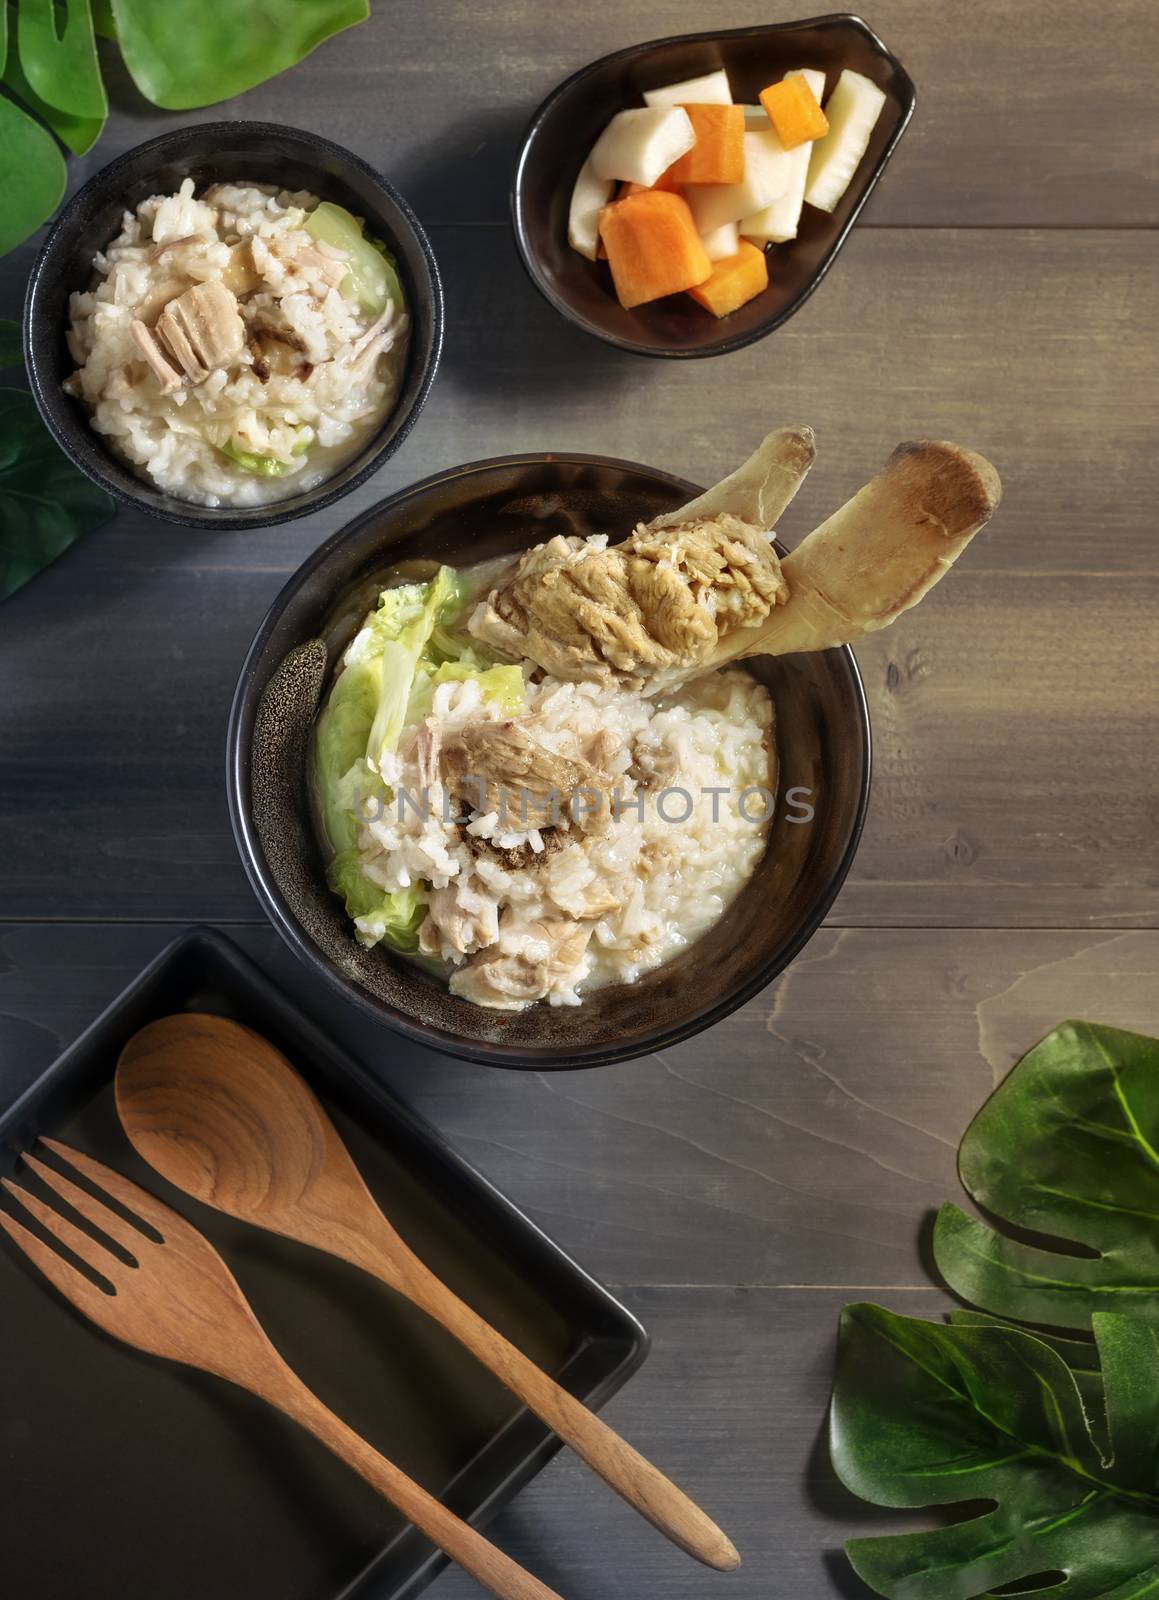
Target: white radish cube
<point>853,109</point>
<point>756,119</point>
<point>588,199</point>
<point>778,223</point>
<point>722,242</point>
<point>767,170</point>
<point>637,146</point>
<point>711,90</point>
<point>815,78</point>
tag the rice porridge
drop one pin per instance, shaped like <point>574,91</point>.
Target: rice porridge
<point>241,346</point>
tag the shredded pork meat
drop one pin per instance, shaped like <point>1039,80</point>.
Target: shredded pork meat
<point>524,963</point>
<point>500,766</point>
<point>199,330</point>
<point>662,599</point>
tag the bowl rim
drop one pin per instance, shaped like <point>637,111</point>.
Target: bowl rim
<point>727,343</point>
<point>527,1058</point>
<point>187,513</point>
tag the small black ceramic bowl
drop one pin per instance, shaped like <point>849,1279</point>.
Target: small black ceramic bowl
<point>255,152</point>
<point>470,514</point>
<point>570,120</point>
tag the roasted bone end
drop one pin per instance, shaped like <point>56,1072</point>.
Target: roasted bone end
<point>758,491</point>
<point>879,553</point>
<point>955,488</point>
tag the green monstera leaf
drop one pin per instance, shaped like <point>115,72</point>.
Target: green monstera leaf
<point>32,175</point>
<point>185,53</point>
<point>1080,1355</point>
<point>46,505</point>
<point>1066,1147</point>
<point>11,353</point>
<point>78,133</point>
<point>58,55</point>
<point>928,1415</point>
<point>181,53</point>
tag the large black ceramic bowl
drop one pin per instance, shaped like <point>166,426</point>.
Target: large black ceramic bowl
<point>570,120</point>
<point>471,514</point>
<point>255,152</point>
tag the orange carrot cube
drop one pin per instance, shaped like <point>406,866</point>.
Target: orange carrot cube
<point>734,281</point>
<point>664,183</point>
<point>794,111</point>
<point>653,246</point>
<point>718,154</point>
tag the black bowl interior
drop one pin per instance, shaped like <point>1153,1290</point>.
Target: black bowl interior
<point>568,123</point>
<point>252,152</point>
<point>490,509</point>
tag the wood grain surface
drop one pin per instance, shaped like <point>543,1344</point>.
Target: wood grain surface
<point>1028,115</point>
<point>1015,772</point>
<point>999,291</point>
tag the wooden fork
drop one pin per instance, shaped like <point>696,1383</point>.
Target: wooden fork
<point>178,1299</point>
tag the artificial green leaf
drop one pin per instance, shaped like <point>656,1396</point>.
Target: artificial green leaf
<point>1067,1147</point>
<point>3,36</point>
<point>11,349</point>
<point>45,503</point>
<point>103,24</point>
<point>929,1415</point>
<point>78,133</point>
<point>32,175</point>
<point>1081,1357</point>
<point>1129,1358</point>
<point>60,60</point>
<point>185,53</point>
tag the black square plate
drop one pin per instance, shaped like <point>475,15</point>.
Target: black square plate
<point>571,119</point>
<point>128,1478</point>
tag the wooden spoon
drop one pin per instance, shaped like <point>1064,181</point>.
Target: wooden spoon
<point>175,1297</point>
<point>221,1114</point>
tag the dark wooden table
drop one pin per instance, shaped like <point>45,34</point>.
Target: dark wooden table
<point>1001,291</point>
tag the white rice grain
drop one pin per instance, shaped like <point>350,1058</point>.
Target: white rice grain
<point>175,440</point>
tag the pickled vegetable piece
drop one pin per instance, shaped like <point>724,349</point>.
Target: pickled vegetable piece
<point>734,282</point>
<point>779,221</point>
<point>722,241</point>
<point>588,199</point>
<point>711,89</point>
<point>638,146</point>
<point>794,111</point>
<point>853,109</point>
<point>718,154</point>
<point>768,168</point>
<point>653,247</point>
<point>664,181</point>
